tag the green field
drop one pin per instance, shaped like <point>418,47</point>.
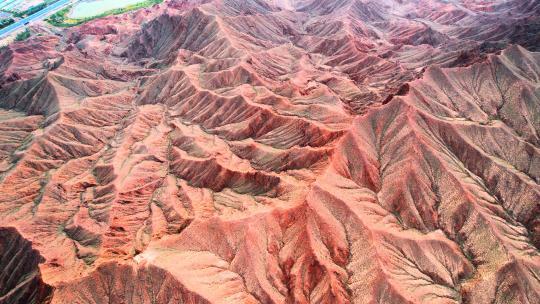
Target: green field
<point>70,17</point>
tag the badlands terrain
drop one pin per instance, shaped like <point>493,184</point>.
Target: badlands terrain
<point>252,151</point>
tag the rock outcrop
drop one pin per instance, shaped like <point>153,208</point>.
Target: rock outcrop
<point>275,152</point>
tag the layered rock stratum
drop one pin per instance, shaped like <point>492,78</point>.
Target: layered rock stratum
<point>313,151</point>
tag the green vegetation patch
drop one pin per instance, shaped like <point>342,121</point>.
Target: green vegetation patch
<point>31,10</point>
<point>34,9</point>
<point>6,22</point>
<point>23,35</point>
<point>61,18</point>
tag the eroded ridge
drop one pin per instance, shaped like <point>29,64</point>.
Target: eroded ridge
<point>276,152</point>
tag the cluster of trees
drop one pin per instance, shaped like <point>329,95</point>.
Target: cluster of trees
<point>5,22</point>
<point>34,9</point>
<point>58,18</point>
<point>23,35</point>
<point>31,10</point>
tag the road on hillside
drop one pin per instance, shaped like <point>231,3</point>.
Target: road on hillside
<point>37,16</point>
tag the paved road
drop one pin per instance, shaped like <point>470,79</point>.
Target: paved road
<point>37,16</point>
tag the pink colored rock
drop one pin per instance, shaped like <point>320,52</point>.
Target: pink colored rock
<point>275,152</point>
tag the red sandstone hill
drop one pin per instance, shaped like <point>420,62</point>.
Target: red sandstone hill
<point>314,151</point>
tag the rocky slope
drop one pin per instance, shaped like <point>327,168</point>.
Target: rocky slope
<point>275,152</point>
